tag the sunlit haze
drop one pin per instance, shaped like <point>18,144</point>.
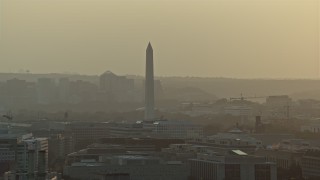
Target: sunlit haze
<point>213,38</point>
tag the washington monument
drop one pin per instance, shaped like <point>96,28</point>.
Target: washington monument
<point>149,85</point>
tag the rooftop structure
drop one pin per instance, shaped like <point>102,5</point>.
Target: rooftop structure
<point>234,165</point>
<point>136,167</point>
<point>176,129</point>
<point>294,145</point>
<point>234,139</point>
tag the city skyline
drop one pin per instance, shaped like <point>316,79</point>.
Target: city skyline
<point>160,89</point>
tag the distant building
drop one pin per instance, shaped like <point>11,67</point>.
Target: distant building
<point>182,152</point>
<point>64,90</point>
<point>282,158</point>
<point>170,129</point>
<point>278,101</point>
<point>137,167</point>
<point>125,158</point>
<point>87,133</point>
<point>46,91</point>
<point>311,164</point>
<point>102,152</point>
<point>271,140</point>
<point>60,146</point>
<point>158,143</point>
<point>18,93</point>
<point>278,106</point>
<point>234,139</point>
<point>238,110</point>
<point>197,109</point>
<point>293,155</point>
<point>75,92</point>
<point>8,151</point>
<point>312,128</point>
<point>259,126</point>
<point>294,145</point>
<point>235,165</point>
<point>82,91</point>
<point>157,129</point>
<point>128,130</point>
<point>175,129</point>
<point>32,157</point>
<point>108,147</point>
<point>24,156</point>
<point>118,88</point>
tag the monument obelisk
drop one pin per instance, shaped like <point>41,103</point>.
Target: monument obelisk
<point>149,85</point>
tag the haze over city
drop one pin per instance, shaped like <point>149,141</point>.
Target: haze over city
<point>159,90</point>
<point>232,38</point>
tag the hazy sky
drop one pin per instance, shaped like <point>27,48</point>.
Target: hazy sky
<point>225,38</point>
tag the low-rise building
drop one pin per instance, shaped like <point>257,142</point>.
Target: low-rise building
<point>313,128</point>
<point>238,110</point>
<point>133,167</point>
<point>86,133</point>
<point>127,130</point>
<point>294,145</point>
<point>182,152</point>
<point>283,158</point>
<point>235,165</point>
<point>176,129</point>
<point>234,139</point>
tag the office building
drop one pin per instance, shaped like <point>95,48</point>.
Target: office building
<point>23,156</point>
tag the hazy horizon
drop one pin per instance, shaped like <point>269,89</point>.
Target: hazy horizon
<point>233,39</point>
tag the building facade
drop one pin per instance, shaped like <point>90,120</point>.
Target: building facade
<point>310,164</point>
<point>234,166</point>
